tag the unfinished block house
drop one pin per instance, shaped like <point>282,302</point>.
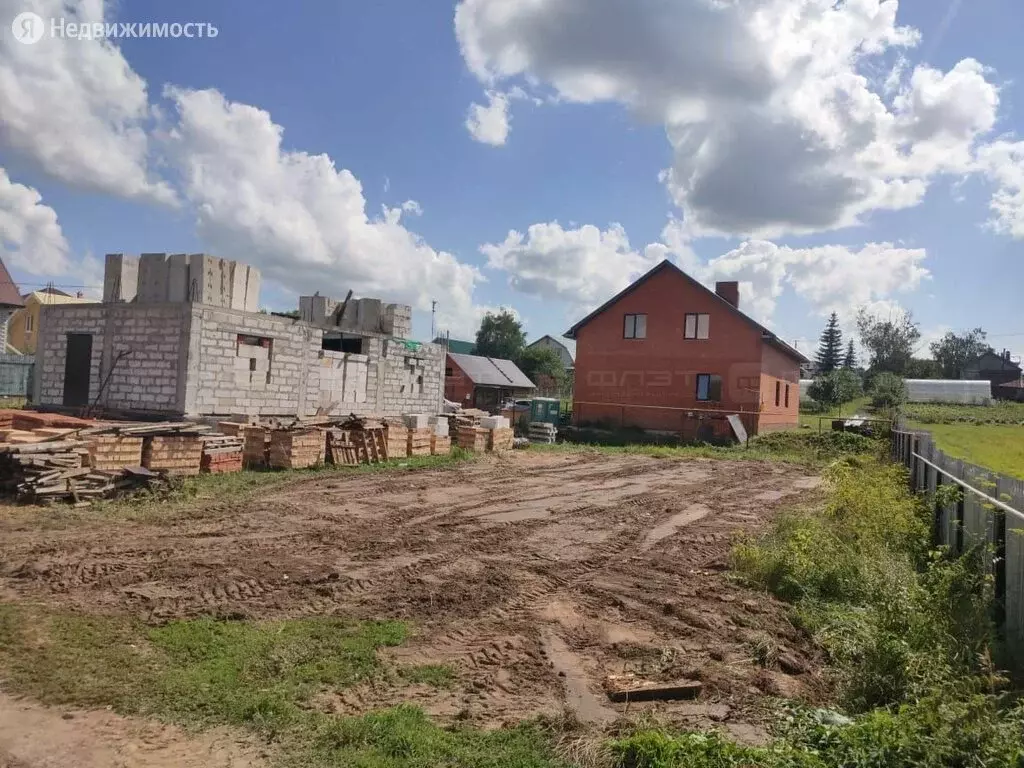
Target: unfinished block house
<point>181,335</point>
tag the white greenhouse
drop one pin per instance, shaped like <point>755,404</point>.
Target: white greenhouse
<point>949,391</point>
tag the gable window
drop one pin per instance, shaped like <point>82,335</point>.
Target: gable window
<point>449,372</point>
<point>697,326</point>
<point>787,395</point>
<point>709,388</point>
<point>635,327</point>
<point>29,322</point>
<point>778,392</point>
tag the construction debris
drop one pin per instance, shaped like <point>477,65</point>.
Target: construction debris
<point>626,688</point>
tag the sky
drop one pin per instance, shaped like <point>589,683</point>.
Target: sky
<point>537,155</point>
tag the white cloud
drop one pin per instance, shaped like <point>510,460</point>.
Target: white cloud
<point>30,236</point>
<point>830,278</point>
<point>583,267</point>
<point>74,107</point>
<point>1003,163</point>
<point>299,218</point>
<point>412,207</point>
<point>774,125</point>
<point>490,124</point>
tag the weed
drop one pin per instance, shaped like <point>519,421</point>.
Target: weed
<point>437,675</point>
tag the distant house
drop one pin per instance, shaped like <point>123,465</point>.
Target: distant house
<point>23,327</point>
<point>10,302</point>
<point>669,354</point>
<point>997,369</point>
<point>483,382</point>
<point>547,342</point>
<point>457,346</point>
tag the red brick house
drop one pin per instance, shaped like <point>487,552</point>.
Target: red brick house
<point>669,354</point>
<point>473,381</point>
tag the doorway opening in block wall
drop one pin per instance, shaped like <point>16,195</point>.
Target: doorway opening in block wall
<point>259,351</point>
<point>77,365</point>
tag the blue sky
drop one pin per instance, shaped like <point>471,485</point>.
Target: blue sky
<point>383,90</point>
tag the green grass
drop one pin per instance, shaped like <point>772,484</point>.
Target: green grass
<point>260,676</point>
<point>999,412</point>
<point>999,447</point>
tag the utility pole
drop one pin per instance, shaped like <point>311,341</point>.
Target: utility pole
<point>433,315</point>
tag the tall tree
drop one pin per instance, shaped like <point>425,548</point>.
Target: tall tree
<point>890,343</point>
<point>501,336</point>
<point>953,352</point>
<point>830,349</point>
<point>850,361</point>
<point>537,362</point>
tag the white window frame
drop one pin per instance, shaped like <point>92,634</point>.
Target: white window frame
<point>29,322</point>
<point>697,325</point>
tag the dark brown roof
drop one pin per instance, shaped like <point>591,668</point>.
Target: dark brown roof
<point>767,336</point>
<point>9,296</point>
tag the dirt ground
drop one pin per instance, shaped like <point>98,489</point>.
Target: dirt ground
<point>536,576</point>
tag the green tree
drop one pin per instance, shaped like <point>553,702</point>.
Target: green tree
<point>918,368</point>
<point>850,361</point>
<point>830,348</point>
<point>501,336</point>
<point>836,387</point>
<point>953,352</point>
<point>538,362</point>
<point>890,343</point>
<point>887,390</point>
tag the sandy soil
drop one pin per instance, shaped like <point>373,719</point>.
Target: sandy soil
<point>536,576</point>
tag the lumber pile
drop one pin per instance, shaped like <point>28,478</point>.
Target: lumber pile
<point>296,448</point>
<point>471,438</point>
<point>222,453</point>
<point>114,451</point>
<point>419,442</point>
<point>356,441</point>
<point>469,417</point>
<point>179,454</point>
<point>542,432</point>
<point>53,471</point>
<point>396,435</point>
<point>230,428</point>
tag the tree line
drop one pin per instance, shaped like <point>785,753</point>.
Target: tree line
<point>501,336</point>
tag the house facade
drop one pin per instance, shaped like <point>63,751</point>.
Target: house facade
<point>473,381</point>
<point>1000,370</point>
<point>547,342</point>
<point>668,354</point>
<point>23,327</point>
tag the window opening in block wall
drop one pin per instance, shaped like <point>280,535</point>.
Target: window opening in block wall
<point>352,345</point>
<point>259,352</point>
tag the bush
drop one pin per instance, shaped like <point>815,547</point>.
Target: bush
<point>887,391</point>
<point>825,445</point>
<point>836,387</point>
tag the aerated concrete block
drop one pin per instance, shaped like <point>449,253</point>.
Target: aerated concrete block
<point>494,422</point>
<point>417,420</point>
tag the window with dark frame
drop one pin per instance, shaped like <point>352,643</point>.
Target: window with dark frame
<point>709,388</point>
<point>787,395</point>
<point>696,326</point>
<point>634,327</point>
<point>778,393</point>
<point>449,372</point>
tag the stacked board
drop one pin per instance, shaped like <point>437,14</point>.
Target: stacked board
<point>173,454</point>
<point>500,439</point>
<point>419,442</point>
<point>397,437</point>
<point>472,438</point>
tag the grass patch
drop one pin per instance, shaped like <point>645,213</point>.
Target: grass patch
<point>999,412</point>
<point>260,676</point>
<point>811,414</point>
<point>999,447</point>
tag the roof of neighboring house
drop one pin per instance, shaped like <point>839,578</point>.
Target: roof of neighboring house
<point>766,335</point>
<point>9,296</point>
<point>48,298</point>
<point>999,363</point>
<point>457,346</point>
<point>553,340</point>
<point>492,372</point>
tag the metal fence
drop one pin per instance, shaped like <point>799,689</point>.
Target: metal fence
<point>16,375</point>
<point>990,512</point>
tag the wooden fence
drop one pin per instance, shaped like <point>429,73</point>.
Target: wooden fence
<point>990,512</point>
<point>16,375</point>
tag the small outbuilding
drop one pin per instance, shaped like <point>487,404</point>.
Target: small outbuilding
<point>473,381</point>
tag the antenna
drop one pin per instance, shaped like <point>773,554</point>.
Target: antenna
<point>433,316</point>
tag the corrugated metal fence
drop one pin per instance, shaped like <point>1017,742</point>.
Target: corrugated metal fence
<point>16,375</point>
<point>990,512</point>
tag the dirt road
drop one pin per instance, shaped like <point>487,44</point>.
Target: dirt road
<point>535,575</point>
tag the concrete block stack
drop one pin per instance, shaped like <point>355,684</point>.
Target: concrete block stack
<point>397,436</point>
<point>542,432</point>
<point>297,448</point>
<point>472,438</point>
<point>255,445</point>
<point>114,451</point>
<point>222,453</point>
<point>173,454</point>
<point>420,432</point>
<point>440,438</point>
